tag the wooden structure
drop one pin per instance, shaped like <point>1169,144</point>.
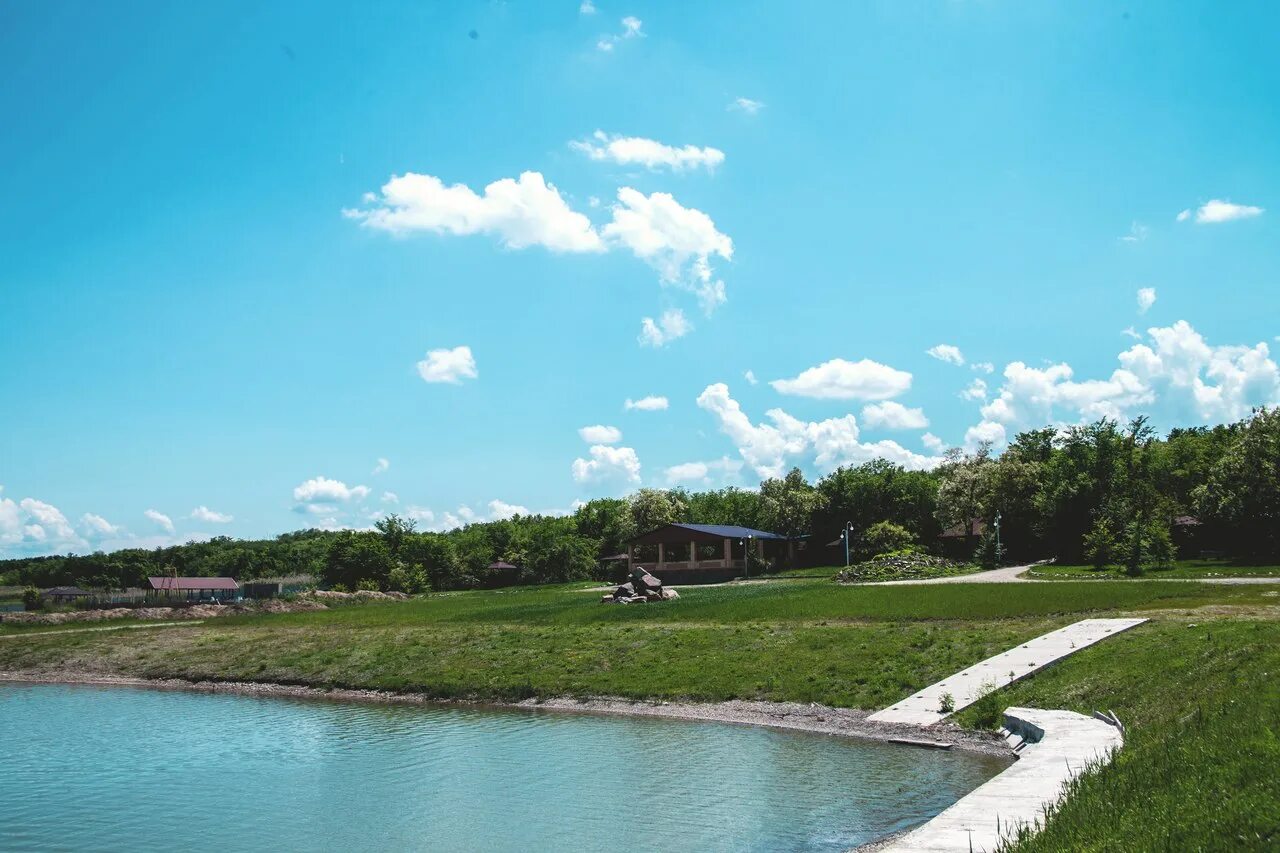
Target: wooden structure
<point>193,589</point>
<point>960,542</point>
<point>498,574</point>
<point>707,553</point>
<point>67,594</point>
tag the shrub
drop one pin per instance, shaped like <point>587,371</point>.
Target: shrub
<point>32,599</point>
<point>986,711</point>
<point>947,704</point>
<point>367,585</point>
<point>885,537</point>
<point>990,553</point>
<point>1100,544</point>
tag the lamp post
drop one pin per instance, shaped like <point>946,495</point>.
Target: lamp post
<point>746,543</point>
<point>844,534</point>
<point>997,525</point>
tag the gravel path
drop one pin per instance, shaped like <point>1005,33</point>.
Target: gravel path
<point>1012,574</point>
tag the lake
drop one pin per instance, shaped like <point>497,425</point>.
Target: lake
<point>114,768</point>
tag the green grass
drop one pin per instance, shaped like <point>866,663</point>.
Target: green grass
<point>1201,703</point>
<point>1182,569</point>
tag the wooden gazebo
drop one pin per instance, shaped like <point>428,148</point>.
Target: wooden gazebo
<point>682,558</point>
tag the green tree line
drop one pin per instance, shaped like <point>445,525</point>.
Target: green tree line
<point>1105,493</point>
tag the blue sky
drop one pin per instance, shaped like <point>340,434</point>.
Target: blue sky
<point>240,238</point>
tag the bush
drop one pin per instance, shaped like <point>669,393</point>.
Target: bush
<point>990,553</point>
<point>32,599</point>
<point>885,537</point>
<point>1100,544</point>
<point>901,565</point>
<point>1149,546</point>
<point>367,585</point>
<point>987,710</point>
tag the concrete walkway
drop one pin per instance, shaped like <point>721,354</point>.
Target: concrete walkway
<point>967,686</point>
<point>1059,745</point>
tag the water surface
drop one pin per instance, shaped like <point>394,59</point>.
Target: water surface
<point>130,769</point>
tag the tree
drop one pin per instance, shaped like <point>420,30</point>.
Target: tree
<point>652,508</point>
<point>357,557</point>
<point>1241,494</point>
<point>873,492</point>
<point>884,537</point>
<point>964,487</point>
<point>787,505</point>
<point>395,530</point>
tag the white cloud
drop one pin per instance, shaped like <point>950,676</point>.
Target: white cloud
<point>1174,374</point>
<point>607,464</point>
<point>1218,210</point>
<point>653,155</point>
<point>448,365</point>
<point>701,472</point>
<point>948,353</point>
<point>519,212</point>
<point>1130,331</point>
<point>31,526</point>
<point>746,105</point>
<point>631,28</point>
<point>667,328</point>
<point>1146,298</point>
<point>983,367</point>
<point>652,403</point>
<point>586,8</point>
<point>161,520</point>
<point>1137,233</point>
<point>769,447</point>
<point>203,513</point>
<point>321,490</point>
<point>382,463</point>
<point>984,432</point>
<point>977,390</point>
<point>600,434</point>
<point>932,443</point>
<point>750,376</point>
<point>96,527</point>
<point>390,498</point>
<point>845,380</point>
<point>677,241</point>
<point>420,513</point>
<point>500,510</point>
<point>892,415</point>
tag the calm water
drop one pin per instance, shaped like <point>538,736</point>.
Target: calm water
<point>123,769</point>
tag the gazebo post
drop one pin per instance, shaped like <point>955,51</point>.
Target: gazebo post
<point>693,555</point>
<point>631,549</point>
<point>728,553</point>
<point>662,556</point>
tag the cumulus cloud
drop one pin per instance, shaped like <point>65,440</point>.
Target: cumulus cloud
<point>600,434</point>
<point>32,526</point>
<point>652,403</point>
<point>847,380</point>
<point>383,464</point>
<point>667,328</point>
<point>448,365</point>
<point>161,520</point>
<point>750,376</point>
<point>96,527</point>
<point>932,443</point>
<point>653,155</point>
<point>203,513</point>
<point>678,241</point>
<point>946,352</point>
<point>322,490</point>
<point>746,105</point>
<point>631,28</point>
<point>977,390</point>
<point>892,415</point>
<point>499,510</point>
<point>1173,371</point>
<point>1217,210</point>
<point>983,367</point>
<point>1146,298</point>
<point>703,472</point>
<point>607,464</point>
<point>390,498</point>
<point>770,447</point>
<point>586,7</point>
<point>519,213</point>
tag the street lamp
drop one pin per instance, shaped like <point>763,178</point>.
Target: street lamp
<point>997,525</point>
<point>745,542</point>
<point>845,534</point>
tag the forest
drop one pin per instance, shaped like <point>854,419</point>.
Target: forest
<point>1104,493</point>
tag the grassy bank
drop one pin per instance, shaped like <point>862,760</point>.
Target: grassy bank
<point>1180,570</point>
<point>1182,683</point>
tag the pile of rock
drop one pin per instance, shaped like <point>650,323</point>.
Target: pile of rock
<point>641,589</point>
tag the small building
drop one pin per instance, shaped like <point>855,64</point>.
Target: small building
<point>193,589</point>
<point>960,541</point>
<point>499,573</point>
<point>706,553</point>
<point>67,594</point>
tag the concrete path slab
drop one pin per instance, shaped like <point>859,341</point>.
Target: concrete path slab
<point>1060,746</point>
<point>968,685</point>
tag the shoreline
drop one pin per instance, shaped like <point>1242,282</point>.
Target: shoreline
<point>810,718</point>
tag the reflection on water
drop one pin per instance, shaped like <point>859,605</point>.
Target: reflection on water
<point>125,769</point>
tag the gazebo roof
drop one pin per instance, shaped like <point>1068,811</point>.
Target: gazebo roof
<point>711,533</point>
<point>498,564</point>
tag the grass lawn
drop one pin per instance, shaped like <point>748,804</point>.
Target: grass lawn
<point>1190,686</point>
<point>1182,569</point>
